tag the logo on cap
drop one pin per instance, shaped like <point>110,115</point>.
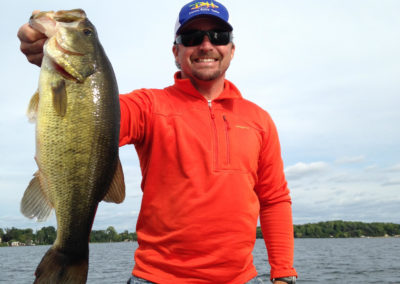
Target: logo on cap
<point>199,5</point>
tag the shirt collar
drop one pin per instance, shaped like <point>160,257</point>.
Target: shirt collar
<point>184,85</point>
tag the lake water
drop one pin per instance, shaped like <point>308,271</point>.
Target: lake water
<point>342,261</point>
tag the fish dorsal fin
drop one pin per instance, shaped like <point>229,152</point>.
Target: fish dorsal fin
<point>59,97</point>
<point>34,203</point>
<point>33,107</point>
<point>116,192</point>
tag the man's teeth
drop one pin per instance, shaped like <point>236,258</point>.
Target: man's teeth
<point>206,60</point>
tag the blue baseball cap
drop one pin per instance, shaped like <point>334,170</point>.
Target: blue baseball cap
<point>197,9</point>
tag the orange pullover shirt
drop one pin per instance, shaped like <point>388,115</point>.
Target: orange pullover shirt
<point>210,169</point>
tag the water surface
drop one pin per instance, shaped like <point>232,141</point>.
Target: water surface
<point>341,261</point>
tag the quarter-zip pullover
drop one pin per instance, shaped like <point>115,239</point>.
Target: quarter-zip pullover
<point>210,169</point>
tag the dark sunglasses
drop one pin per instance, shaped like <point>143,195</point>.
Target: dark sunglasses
<point>193,38</point>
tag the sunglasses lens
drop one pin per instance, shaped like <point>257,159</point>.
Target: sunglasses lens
<point>196,37</point>
<point>192,39</point>
<point>219,38</point>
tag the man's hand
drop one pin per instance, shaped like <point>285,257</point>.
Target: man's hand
<point>32,42</point>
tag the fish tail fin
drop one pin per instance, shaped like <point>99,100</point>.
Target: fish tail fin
<point>58,266</point>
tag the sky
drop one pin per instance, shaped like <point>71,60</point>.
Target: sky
<point>326,71</point>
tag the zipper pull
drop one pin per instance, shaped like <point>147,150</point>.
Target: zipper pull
<point>209,103</point>
<point>226,122</point>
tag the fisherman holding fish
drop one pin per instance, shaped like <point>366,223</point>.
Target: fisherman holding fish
<point>210,161</point>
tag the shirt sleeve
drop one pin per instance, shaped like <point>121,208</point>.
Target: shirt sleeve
<point>136,109</point>
<point>275,206</point>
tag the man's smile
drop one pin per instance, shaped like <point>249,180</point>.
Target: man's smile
<point>200,60</point>
<point>208,59</point>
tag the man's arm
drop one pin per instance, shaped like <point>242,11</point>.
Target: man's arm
<point>32,42</point>
<point>275,206</point>
<point>277,229</point>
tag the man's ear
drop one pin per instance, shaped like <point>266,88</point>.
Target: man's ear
<point>175,49</point>
<point>233,50</point>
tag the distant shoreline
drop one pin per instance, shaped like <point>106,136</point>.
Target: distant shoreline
<point>388,237</point>
<point>327,230</point>
<point>344,229</point>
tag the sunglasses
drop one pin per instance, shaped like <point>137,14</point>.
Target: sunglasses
<point>193,38</point>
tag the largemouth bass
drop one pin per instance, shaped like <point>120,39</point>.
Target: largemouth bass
<point>77,114</point>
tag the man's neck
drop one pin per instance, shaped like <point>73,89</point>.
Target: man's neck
<point>209,89</point>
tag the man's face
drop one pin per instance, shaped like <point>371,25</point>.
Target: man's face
<point>204,62</point>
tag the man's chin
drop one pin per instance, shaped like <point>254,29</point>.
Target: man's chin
<point>207,76</point>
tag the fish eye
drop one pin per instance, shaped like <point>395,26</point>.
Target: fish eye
<point>88,32</point>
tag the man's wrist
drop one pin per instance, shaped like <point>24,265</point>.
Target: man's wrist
<point>288,280</point>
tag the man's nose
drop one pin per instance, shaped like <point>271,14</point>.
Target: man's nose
<point>206,43</point>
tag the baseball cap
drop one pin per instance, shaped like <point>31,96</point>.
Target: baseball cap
<point>197,9</point>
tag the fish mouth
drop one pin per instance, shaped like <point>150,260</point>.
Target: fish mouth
<point>59,67</point>
<point>66,51</point>
<point>60,62</point>
<point>61,70</point>
<point>67,71</point>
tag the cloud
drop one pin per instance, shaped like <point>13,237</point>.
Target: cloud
<point>350,160</point>
<point>392,182</point>
<point>331,191</point>
<point>301,170</point>
<point>394,168</point>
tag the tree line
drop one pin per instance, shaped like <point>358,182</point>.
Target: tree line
<point>343,229</point>
<point>47,236</point>
<point>330,229</point>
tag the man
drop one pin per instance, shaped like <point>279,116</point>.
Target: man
<point>210,161</point>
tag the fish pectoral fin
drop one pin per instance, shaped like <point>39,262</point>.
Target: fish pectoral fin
<point>33,107</point>
<point>34,203</point>
<point>59,97</point>
<point>116,192</point>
